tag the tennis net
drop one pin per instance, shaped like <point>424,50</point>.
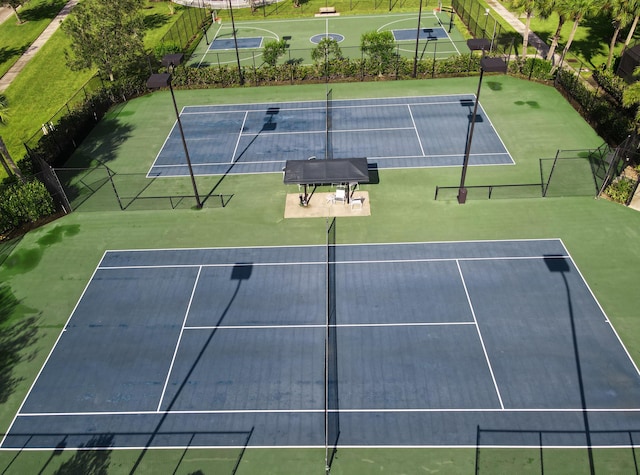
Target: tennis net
<point>331,406</point>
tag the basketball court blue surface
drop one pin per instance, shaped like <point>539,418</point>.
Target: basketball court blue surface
<point>405,132</point>
<point>410,34</point>
<point>243,43</point>
<point>224,347</point>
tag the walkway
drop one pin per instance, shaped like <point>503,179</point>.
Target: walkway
<point>5,12</point>
<point>35,46</point>
<point>516,24</point>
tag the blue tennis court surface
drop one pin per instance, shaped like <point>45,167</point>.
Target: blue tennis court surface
<point>225,348</point>
<point>405,132</point>
<point>424,34</point>
<point>229,43</point>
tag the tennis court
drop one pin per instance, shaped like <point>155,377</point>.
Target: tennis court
<point>230,347</point>
<point>401,132</point>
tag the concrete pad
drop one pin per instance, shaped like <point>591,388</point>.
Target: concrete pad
<point>321,206</point>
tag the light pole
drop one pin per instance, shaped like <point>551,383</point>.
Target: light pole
<point>235,41</point>
<point>157,81</point>
<point>490,65</point>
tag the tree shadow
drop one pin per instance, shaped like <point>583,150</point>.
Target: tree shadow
<point>42,11</point>
<point>102,144</point>
<point>592,44</point>
<point>8,53</point>
<point>154,21</point>
<point>89,462</point>
<point>18,332</point>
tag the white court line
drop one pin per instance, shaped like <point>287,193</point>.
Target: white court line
<point>415,128</point>
<point>339,411</point>
<point>213,164</point>
<point>175,351</point>
<point>320,262</point>
<point>251,106</point>
<point>226,264</point>
<point>238,109</point>
<point>370,157</point>
<point>235,150</point>
<point>606,318</point>
<point>52,350</point>
<point>164,144</point>
<point>207,50</point>
<point>339,325</point>
<point>484,349</point>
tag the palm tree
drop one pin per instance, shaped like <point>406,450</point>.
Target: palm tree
<point>577,10</point>
<point>7,162</point>
<point>560,8</point>
<point>631,96</point>
<point>14,4</point>
<point>528,7</point>
<point>634,6</point>
<point>622,13</point>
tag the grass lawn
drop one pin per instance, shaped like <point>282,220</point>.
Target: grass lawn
<point>46,83</point>
<point>16,38</point>
<point>591,43</point>
<point>45,273</point>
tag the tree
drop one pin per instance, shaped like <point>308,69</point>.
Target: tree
<point>631,96</point>
<point>327,50</point>
<point>273,50</point>
<point>106,35</point>
<point>528,7</point>
<point>577,10</point>
<point>14,5</point>
<point>623,12</point>
<point>560,8</point>
<point>635,8</point>
<point>7,162</point>
<point>379,46</point>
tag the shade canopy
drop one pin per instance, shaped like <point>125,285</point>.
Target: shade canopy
<point>157,81</point>
<point>493,65</point>
<point>172,59</point>
<point>317,172</point>
<point>479,44</point>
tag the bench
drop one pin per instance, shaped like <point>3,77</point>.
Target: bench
<point>327,11</point>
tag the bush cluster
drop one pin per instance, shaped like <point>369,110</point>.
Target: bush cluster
<point>611,83</point>
<point>22,203</point>
<point>620,190</point>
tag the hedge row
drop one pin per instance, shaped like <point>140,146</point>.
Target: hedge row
<point>610,120</point>
<point>22,203</point>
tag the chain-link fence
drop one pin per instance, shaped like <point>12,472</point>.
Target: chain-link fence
<point>189,26</point>
<point>102,189</point>
<point>569,173</point>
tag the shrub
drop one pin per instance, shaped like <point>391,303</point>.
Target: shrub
<point>22,203</point>
<point>610,82</point>
<point>273,50</point>
<point>620,190</point>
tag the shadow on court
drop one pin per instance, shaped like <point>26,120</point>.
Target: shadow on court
<point>269,126</point>
<point>488,458</point>
<point>240,272</point>
<point>15,340</point>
